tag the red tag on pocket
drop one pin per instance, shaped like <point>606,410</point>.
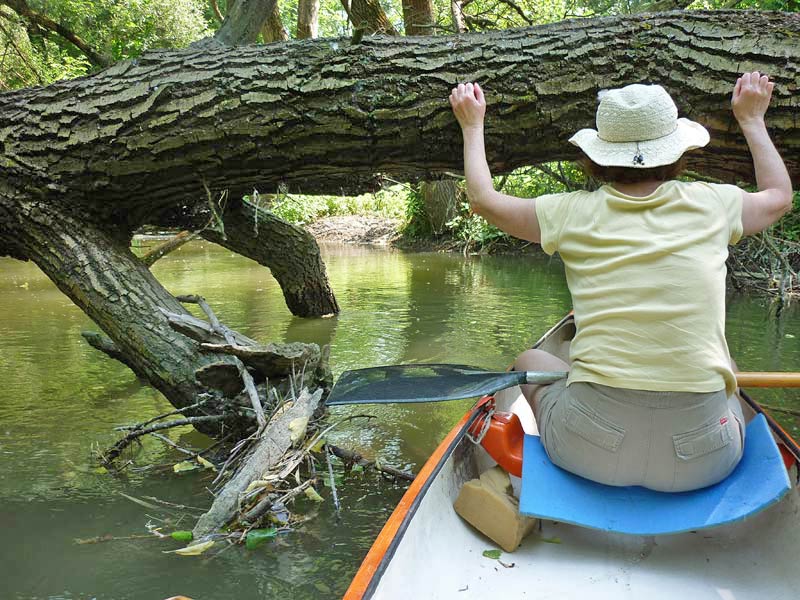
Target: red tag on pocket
<point>723,420</point>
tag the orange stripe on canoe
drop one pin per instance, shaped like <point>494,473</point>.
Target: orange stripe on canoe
<point>371,563</point>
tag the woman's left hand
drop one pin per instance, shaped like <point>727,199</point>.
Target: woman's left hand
<point>469,105</point>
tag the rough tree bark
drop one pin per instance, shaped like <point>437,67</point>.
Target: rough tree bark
<point>323,116</point>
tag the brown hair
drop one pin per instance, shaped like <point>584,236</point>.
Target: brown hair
<point>630,174</point>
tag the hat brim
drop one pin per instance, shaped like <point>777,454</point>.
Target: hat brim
<point>666,150</point>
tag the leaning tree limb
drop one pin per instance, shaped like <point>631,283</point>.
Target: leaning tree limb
<point>289,251</point>
<point>138,432</point>
<point>170,245</point>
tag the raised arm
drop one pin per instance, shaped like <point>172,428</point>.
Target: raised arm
<point>515,216</point>
<point>751,96</point>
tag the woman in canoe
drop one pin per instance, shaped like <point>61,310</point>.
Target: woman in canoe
<point>649,399</point>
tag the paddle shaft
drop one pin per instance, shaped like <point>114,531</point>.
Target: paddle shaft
<point>766,379</point>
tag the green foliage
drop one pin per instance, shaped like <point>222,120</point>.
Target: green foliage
<point>788,227</point>
<point>471,230</point>
<point>302,209</point>
<point>33,55</point>
<point>417,224</point>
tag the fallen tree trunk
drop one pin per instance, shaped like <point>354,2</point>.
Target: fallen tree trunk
<point>271,447</point>
<point>142,137</point>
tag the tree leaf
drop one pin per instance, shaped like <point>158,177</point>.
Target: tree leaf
<point>312,494</point>
<point>256,485</point>
<point>186,465</point>
<point>206,463</point>
<point>256,537</point>
<point>195,549</point>
<point>182,536</point>
<point>297,429</point>
<point>493,553</point>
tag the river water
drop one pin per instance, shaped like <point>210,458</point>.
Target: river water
<point>60,400</point>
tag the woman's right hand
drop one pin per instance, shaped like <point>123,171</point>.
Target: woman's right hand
<point>469,105</point>
<point>751,96</point>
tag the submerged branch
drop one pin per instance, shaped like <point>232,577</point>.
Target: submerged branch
<point>137,433</point>
<point>353,458</point>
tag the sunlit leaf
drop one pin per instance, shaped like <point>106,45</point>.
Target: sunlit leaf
<point>312,494</point>
<point>195,549</point>
<point>256,485</point>
<point>297,429</point>
<point>206,463</point>
<point>186,465</point>
<point>256,537</point>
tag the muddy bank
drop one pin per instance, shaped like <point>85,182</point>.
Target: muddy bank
<point>383,231</point>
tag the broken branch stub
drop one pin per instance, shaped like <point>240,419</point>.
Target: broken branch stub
<point>272,360</point>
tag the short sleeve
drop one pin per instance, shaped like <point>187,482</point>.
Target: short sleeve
<point>551,212</point>
<point>731,199</point>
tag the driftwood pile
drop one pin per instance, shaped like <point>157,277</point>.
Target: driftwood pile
<point>270,398</point>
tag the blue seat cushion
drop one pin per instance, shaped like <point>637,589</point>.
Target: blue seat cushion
<point>759,480</point>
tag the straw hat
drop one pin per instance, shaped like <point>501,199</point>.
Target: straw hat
<point>638,127</point>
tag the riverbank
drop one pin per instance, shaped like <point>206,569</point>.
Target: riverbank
<point>756,265</point>
<point>387,232</point>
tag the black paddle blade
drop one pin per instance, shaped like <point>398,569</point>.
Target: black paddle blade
<point>419,383</point>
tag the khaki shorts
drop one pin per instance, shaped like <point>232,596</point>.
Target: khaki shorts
<point>667,441</point>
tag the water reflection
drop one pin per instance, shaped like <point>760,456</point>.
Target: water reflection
<point>60,398</point>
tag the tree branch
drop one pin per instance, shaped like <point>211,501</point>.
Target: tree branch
<point>22,9</point>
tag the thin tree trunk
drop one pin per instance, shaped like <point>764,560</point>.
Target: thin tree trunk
<point>242,24</point>
<point>457,13</point>
<point>418,17</point>
<point>369,17</point>
<point>273,29</point>
<point>307,19</point>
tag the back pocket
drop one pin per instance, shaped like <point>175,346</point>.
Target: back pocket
<point>707,438</point>
<point>592,427</point>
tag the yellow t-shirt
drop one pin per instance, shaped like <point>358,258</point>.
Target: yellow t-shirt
<point>647,278</point>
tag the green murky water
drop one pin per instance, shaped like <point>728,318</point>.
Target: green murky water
<point>59,399</point>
